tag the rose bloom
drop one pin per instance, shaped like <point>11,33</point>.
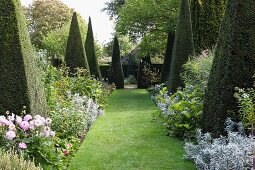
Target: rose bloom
<point>66,152</point>
<point>28,117</point>
<point>24,125</point>
<point>10,135</point>
<point>22,145</point>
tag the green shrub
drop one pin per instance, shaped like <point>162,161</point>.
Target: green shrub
<point>21,81</point>
<point>117,76</point>
<point>130,80</point>
<point>246,101</point>
<point>183,47</point>
<point>12,161</point>
<point>75,56</point>
<point>233,66</point>
<point>91,54</point>
<point>197,69</point>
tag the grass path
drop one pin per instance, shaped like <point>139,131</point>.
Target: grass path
<point>125,138</point>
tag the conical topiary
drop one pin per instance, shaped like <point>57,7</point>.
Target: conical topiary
<point>233,66</point>
<point>75,54</point>
<point>91,54</point>
<point>20,80</point>
<point>168,56</point>
<point>183,47</point>
<point>117,76</point>
<point>142,81</point>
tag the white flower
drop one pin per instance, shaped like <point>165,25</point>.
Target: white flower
<point>48,121</point>
<point>18,119</point>
<point>38,122</point>
<point>12,117</point>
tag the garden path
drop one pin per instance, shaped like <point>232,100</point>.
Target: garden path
<point>126,138</point>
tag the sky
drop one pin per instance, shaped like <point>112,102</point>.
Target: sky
<point>102,26</point>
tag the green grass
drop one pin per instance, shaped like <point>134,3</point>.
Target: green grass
<point>126,138</point>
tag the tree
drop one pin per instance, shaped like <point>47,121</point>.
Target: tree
<point>167,60</point>
<point>75,56</point>
<point>20,81</point>
<point>44,16</point>
<point>91,54</point>
<point>113,8</point>
<point>233,66</point>
<point>183,47</point>
<point>149,20</point>
<point>117,76</point>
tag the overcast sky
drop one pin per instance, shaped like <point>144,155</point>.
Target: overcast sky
<point>102,26</point>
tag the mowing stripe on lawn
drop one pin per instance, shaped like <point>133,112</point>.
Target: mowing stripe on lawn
<point>126,138</point>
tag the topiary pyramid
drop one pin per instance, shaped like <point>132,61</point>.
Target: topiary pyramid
<point>168,57</point>
<point>183,47</point>
<point>233,66</point>
<point>117,76</point>
<point>20,80</point>
<point>75,56</point>
<point>91,54</point>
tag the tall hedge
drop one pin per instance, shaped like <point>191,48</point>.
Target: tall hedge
<point>91,54</point>
<point>233,66</point>
<point>142,81</point>
<point>20,80</point>
<point>75,54</point>
<point>117,76</point>
<point>210,22</point>
<point>183,47</point>
<point>167,60</point>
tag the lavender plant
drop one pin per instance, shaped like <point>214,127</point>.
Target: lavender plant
<point>224,153</point>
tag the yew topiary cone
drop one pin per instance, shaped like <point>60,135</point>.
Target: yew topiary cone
<point>233,66</point>
<point>91,54</point>
<point>75,54</point>
<point>117,76</point>
<point>20,80</point>
<point>183,47</point>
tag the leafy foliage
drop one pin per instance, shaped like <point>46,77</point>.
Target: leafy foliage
<point>44,16</point>
<point>231,152</point>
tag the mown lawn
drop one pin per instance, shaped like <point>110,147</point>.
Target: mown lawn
<point>126,138</point>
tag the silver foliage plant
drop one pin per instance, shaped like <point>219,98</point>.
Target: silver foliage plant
<point>225,153</point>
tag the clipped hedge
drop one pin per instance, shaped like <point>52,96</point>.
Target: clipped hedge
<point>233,66</point>
<point>20,80</point>
<point>75,54</point>
<point>91,54</point>
<point>183,47</point>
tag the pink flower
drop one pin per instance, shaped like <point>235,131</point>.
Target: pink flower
<point>66,152</point>
<point>22,145</point>
<point>24,125</point>
<point>10,135</point>
<point>4,121</point>
<point>69,145</point>
<point>11,118</point>
<point>27,118</point>
<point>46,131</point>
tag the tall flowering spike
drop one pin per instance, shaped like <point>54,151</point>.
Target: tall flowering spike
<point>233,66</point>
<point>117,76</point>
<point>20,80</point>
<point>91,54</point>
<point>75,54</point>
<point>183,47</point>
